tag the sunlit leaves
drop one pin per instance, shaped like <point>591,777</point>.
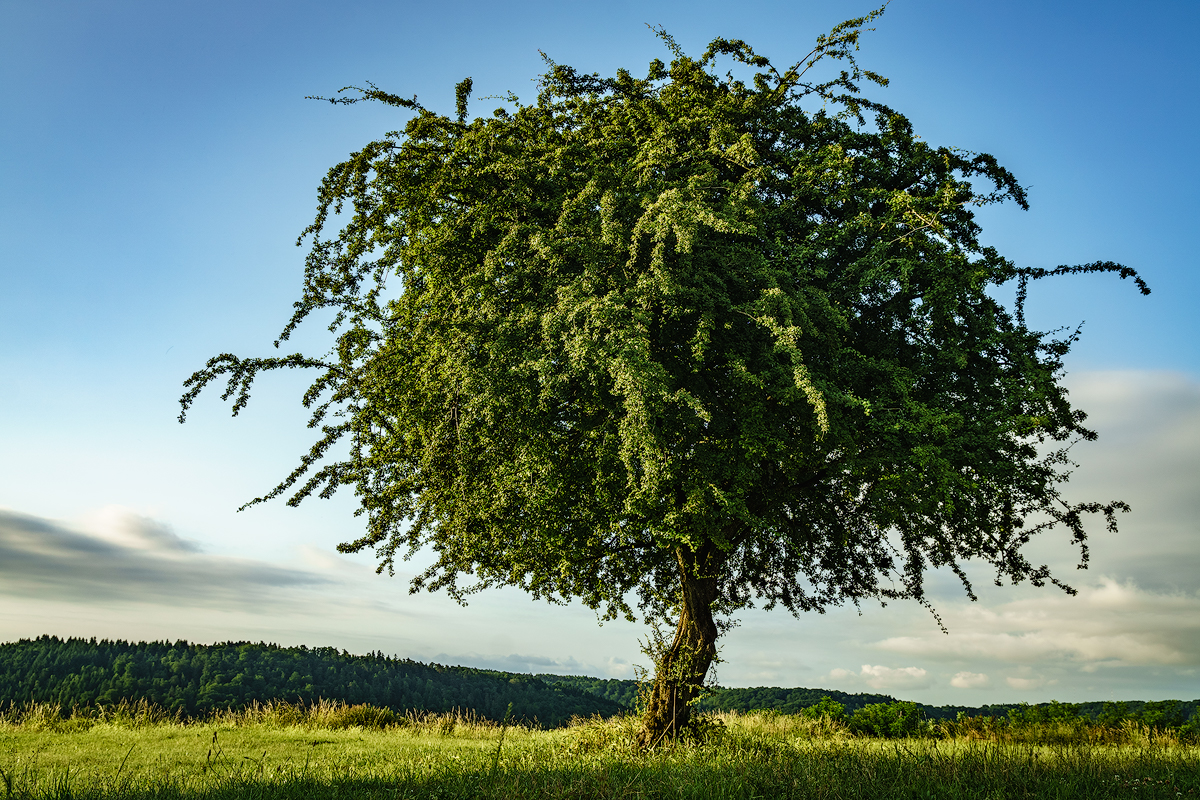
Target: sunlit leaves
<point>745,313</point>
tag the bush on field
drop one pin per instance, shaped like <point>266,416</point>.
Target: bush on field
<point>1164,714</point>
<point>827,708</point>
<point>1052,712</point>
<point>888,720</point>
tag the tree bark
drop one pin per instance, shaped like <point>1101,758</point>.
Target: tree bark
<point>679,674</point>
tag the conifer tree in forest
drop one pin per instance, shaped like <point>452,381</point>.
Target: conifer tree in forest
<point>677,344</point>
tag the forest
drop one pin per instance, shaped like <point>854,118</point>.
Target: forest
<point>194,680</point>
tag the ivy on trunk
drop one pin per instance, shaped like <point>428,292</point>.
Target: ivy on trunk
<point>680,668</point>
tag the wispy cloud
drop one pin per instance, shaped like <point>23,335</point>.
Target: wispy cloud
<point>128,529</point>
<point>130,558</point>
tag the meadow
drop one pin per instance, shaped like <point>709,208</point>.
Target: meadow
<point>280,750</point>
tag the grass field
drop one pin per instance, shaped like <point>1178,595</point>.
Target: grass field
<point>283,751</point>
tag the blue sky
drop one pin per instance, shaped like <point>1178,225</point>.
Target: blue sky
<point>157,161</point>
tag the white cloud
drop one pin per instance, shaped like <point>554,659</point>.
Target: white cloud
<point>1107,624</point>
<point>970,680</point>
<point>881,677</point>
<point>1148,455</point>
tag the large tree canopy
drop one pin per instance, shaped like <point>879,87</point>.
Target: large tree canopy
<point>698,339</point>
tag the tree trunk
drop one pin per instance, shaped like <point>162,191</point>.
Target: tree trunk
<point>679,674</point>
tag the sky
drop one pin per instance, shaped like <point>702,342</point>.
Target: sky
<point>158,160</point>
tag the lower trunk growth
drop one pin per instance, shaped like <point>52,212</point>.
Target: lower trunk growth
<point>680,669</point>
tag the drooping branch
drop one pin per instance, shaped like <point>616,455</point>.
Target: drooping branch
<point>1026,274</point>
<point>242,372</point>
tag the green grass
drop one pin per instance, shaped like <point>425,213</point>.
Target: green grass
<point>280,751</point>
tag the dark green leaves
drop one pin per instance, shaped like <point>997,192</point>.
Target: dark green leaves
<point>682,313</point>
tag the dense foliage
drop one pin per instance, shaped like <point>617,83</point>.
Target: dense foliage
<point>644,323</point>
<point>699,339</point>
<point>195,679</point>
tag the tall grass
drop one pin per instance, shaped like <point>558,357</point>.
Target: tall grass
<point>321,715</point>
<point>55,717</point>
<point>279,750</point>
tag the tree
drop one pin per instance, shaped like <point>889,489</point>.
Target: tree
<point>679,343</point>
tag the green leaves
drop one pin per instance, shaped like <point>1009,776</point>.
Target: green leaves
<point>679,312</point>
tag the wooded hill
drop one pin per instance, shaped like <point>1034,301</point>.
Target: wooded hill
<point>196,679</point>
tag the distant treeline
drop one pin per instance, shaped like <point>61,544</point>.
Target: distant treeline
<point>196,679</point>
<point>623,693</point>
<point>1165,713</point>
<point>1162,713</point>
<point>785,701</point>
